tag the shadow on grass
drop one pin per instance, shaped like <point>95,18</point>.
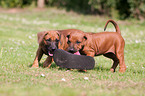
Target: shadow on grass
<point>30,65</point>
<point>98,68</point>
<point>53,65</point>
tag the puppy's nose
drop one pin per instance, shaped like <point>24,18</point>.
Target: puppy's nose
<point>53,49</point>
<point>71,49</point>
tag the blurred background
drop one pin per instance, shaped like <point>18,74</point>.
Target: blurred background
<point>120,9</point>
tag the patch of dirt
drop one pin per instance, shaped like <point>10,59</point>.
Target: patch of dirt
<point>20,10</point>
<point>12,10</point>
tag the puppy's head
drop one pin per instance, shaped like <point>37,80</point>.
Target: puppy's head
<point>75,41</point>
<point>51,41</point>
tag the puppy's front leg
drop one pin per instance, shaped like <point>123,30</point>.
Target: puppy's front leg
<point>38,57</point>
<point>92,54</point>
<point>47,62</point>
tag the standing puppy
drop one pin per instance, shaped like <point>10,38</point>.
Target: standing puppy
<point>48,42</point>
<point>108,44</point>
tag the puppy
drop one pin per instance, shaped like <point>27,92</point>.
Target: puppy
<point>108,44</point>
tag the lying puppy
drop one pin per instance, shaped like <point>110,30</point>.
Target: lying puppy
<point>108,44</point>
<point>49,41</point>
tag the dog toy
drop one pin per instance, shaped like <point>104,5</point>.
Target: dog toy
<point>65,59</point>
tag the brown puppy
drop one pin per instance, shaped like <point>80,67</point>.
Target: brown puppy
<point>108,44</point>
<point>48,42</point>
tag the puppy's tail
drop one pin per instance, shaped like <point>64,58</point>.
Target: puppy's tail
<point>115,25</point>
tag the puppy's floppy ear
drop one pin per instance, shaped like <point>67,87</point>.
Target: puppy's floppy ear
<point>68,36</point>
<point>62,41</point>
<point>45,34</point>
<point>85,37</point>
<point>58,33</point>
<point>40,36</point>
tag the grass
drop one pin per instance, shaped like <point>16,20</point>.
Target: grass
<point>18,45</point>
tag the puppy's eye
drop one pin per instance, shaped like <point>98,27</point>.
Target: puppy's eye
<point>68,42</point>
<point>56,40</point>
<point>48,39</point>
<point>78,42</point>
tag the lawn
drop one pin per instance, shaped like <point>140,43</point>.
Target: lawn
<point>18,45</point>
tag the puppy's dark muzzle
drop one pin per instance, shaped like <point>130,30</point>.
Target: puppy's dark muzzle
<point>72,50</point>
<point>53,49</point>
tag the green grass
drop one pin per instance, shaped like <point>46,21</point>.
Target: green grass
<point>18,45</point>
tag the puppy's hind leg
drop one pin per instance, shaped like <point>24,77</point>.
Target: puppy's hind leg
<point>115,60</point>
<point>122,66</point>
<point>120,56</point>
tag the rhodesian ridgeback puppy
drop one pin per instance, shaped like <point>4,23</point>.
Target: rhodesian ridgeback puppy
<point>108,44</point>
<point>48,42</point>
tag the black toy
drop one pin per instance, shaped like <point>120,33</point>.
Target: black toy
<point>68,60</point>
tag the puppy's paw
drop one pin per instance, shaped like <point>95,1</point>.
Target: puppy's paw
<point>80,70</point>
<point>45,65</point>
<point>122,69</point>
<point>112,70</point>
<point>35,65</point>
